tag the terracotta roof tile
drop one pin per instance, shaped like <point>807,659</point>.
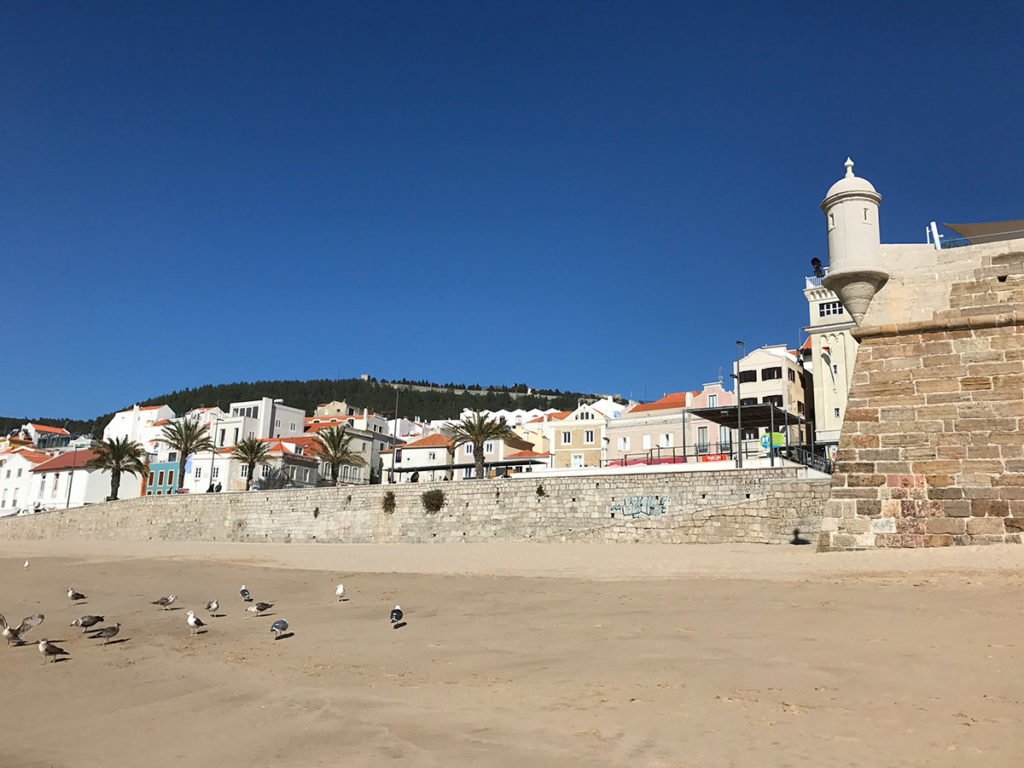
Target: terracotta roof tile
<point>66,460</point>
<point>52,430</point>
<point>674,400</point>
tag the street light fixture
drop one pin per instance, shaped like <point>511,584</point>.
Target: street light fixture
<point>739,409</point>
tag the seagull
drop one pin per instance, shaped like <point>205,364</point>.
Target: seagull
<point>340,592</point>
<point>86,621</point>
<point>396,614</point>
<point>165,602</point>
<point>194,623</point>
<point>213,606</point>
<point>26,564</point>
<point>13,634</point>
<point>73,595</point>
<point>245,594</point>
<point>278,627</point>
<point>260,608</point>
<point>49,649</point>
<point>107,633</point>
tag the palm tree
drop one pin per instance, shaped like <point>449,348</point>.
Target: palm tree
<point>119,455</point>
<point>186,437</point>
<point>478,429</point>
<point>251,451</point>
<point>332,446</point>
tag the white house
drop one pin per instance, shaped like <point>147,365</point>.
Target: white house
<point>142,424</point>
<point>16,465</point>
<point>64,481</point>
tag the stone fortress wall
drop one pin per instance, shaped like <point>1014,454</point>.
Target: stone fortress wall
<point>755,506</point>
<point>932,448</point>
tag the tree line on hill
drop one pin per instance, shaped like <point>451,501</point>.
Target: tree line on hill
<point>440,402</point>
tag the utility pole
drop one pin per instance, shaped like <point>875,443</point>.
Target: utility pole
<point>739,409</point>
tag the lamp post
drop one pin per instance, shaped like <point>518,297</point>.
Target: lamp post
<point>739,409</point>
<point>71,477</point>
<point>213,453</point>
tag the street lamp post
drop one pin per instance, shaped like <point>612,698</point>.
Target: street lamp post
<point>71,477</point>
<point>213,453</point>
<point>739,410</point>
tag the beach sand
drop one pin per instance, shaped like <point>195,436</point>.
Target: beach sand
<point>517,655</point>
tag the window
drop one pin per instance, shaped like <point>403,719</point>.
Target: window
<point>431,456</point>
<point>577,460</point>
<point>266,470</point>
<point>152,477</point>
<point>292,426</point>
<point>773,399</point>
<point>827,308</point>
<point>665,440</point>
<point>170,477</point>
<point>172,456</point>
<point>585,416</point>
<point>624,443</point>
<point>703,440</point>
<point>199,471</point>
<point>251,434</point>
<point>769,374</point>
<point>566,438</point>
<point>19,472</point>
<point>236,437</point>
<point>244,471</point>
<point>277,422</point>
<point>160,477</point>
<point>748,401</point>
<point>222,432</point>
<point>355,474</point>
<point>712,401</point>
<point>469,449</point>
<point>344,473</point>
<point>750,434</point>
<point>588,436</point>
<point>837,413</point>
<point>215,474</point>
<point>488,447</point>
<point>53,490</point>
<point>724,439</point>
<point>748,376</point>
<point>792,374</point>
<point>800,409</point>
<point>646,442</point>
<point>835,367</point>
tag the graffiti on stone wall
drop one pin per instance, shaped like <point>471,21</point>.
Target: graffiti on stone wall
<point>636,506</point>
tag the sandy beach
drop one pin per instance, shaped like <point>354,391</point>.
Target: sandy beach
<point>516,654</point>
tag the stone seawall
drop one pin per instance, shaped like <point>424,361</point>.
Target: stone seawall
<point>746,506</point>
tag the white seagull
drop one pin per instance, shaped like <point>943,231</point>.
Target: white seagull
<point>194,623</point>
<point>278,627</point>
<point>165,602</point>
<point>14,634</point>
<point>213,606</point>
<point>49,649</point>
<point>245,594</point>
<point>340,591</point>
<point>26,564</point>
<point>75,595</point>
<point>259,608</point>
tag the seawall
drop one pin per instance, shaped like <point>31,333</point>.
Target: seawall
<point>745,506</point>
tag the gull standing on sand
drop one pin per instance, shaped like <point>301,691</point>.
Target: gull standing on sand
<point>74,595</point>
<point>340,592</point>
<point>14,634</point>
<point>213,606</point>
<point>278,627</point>
<point>26,564</point>
<point>246,597</point>
<point>107,633</point>
<point>49,649</point>
<point>260,608</point>
<point>194,623</point>
<point>396,614</point>
<point>165,602</point>
<point>86,621</point>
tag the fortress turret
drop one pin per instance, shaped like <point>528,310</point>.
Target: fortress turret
<point>854,253</point>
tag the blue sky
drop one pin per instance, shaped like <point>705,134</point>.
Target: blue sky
<point>583,195</point>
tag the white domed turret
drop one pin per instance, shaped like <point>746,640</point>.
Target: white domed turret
<point>854,252</point>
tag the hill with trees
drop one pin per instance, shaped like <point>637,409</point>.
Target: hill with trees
<point>416,399</point>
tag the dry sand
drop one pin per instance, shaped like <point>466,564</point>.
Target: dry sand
<point>516,655</point>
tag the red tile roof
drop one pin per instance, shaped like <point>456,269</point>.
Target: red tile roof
<point>674,400</point>
<point>526,455</point>
<point>161,422</point>
<point>430,441</point>
<point>52,430</point>
<point>151,407</point>
<point>67,460</point>
<point>36,457</point>
<point>556,416</point>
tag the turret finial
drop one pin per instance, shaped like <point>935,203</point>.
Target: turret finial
<point>849,167</point>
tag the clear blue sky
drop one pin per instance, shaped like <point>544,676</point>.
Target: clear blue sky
<point>582,195</point>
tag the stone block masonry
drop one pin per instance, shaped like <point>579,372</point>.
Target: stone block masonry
<point>755,506</point>
<point>932,449</point>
